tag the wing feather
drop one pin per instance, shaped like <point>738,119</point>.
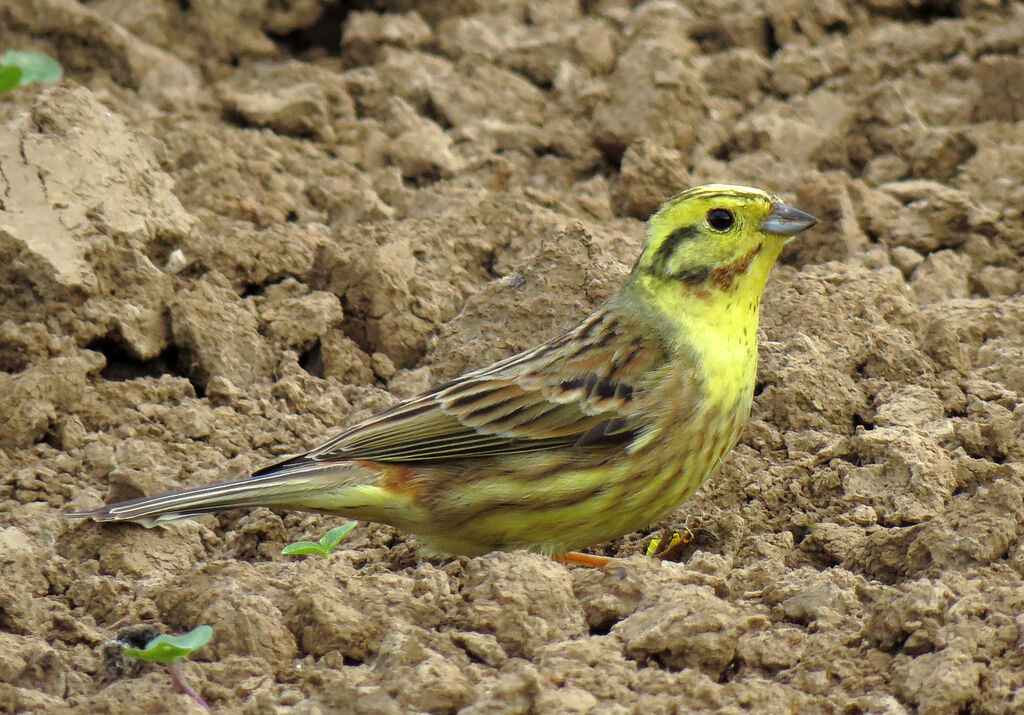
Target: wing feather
<point>561,393</point>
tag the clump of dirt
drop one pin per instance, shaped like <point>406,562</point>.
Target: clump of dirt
<point>232,230</point>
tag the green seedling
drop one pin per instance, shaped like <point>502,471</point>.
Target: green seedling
<point>328,542</point>
<point>10,77</point>
<point>171,651</point>
<point>19,68</point>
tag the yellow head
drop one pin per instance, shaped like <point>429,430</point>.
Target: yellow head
<point>708,255</point>
<point>710,237</point>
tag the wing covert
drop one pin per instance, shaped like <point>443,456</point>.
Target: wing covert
<point>584,388</point>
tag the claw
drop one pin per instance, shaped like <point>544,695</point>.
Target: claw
<point>675,545</point>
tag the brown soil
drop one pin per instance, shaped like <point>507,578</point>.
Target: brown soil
<point>237,226</point>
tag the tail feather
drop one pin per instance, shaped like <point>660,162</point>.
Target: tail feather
<point>311,486</point>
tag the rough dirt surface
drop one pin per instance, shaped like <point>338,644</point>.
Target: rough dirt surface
<point>235,227</point>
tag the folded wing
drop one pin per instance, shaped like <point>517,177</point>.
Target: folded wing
<point>586,388</point>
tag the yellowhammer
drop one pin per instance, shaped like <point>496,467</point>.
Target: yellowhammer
<point>579,440</point>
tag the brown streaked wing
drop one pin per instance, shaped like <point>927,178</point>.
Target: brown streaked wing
<point>561,393</point>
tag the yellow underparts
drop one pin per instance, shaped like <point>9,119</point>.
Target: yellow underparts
<point>719,325</point>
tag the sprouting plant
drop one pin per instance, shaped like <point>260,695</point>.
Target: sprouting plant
<point>324,547</point>
<point>10,77</point>
<point>18,68</point>
<point>171,651</point>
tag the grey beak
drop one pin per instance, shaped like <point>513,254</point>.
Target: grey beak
<point>784,220</point>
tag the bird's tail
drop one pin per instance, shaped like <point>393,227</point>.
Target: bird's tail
<point>309,486</point>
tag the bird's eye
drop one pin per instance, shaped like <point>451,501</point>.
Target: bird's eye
<point>720,219</point>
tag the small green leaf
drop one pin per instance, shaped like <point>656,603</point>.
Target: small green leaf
<point>324,547</point>
<point>333,537</point>
<point>35,66</point>
<point>169,649</point>
<point>10,76</point>
<point>301,548</point>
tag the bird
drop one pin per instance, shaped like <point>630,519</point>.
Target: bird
<point>591,435</point>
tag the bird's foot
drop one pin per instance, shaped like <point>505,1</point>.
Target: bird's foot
<point>577,559</point>
<point>674,547</point>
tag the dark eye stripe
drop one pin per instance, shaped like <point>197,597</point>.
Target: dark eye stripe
<point>670,244</point>
<point>692,276</point>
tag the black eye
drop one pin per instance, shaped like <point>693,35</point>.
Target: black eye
<point>720,219</point>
